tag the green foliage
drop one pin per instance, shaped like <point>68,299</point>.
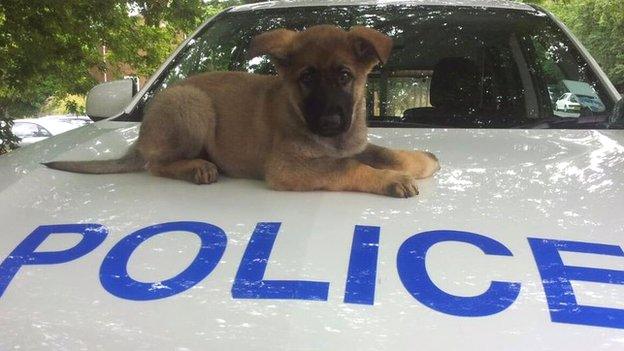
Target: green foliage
<point>8,141</point>
<point>50,47</point>
<point>55,105</point>
<point>599,25</point>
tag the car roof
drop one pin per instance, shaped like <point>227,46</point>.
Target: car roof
<point>305,3</point>
<point>52,125</point>
<point>47,119</point>
<point>26,120</point>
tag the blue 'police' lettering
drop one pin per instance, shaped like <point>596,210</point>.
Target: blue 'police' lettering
<point>556,278</point>
<point>114,274</point>
<point>249,282</point>
<point>24,253</point>
<point>360,284</point>
<point>360,287</point>
<point>413,274</point>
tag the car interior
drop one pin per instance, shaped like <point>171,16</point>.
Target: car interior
<point>466,79</point>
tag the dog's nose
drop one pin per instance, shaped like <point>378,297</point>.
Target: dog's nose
<point>331,123</point>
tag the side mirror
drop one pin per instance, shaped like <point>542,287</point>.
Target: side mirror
<point>617,117</point>
<point>110,98</point>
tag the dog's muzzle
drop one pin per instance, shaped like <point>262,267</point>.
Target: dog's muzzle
<point>327,118</point>
<point>331,125</point>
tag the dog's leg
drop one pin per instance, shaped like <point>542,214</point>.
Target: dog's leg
<point>174,133</point>
<point>345,174</point>
<point>197,171</point>
<point>420,164</point>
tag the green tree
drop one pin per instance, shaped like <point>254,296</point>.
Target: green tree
<point>599,25</point>
<point>48,47</point>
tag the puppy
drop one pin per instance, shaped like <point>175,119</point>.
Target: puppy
<point>304,129</point>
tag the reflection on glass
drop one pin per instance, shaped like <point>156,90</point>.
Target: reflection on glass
<point>450,66</point>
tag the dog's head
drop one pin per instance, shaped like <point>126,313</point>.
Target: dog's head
<point>325,69</point>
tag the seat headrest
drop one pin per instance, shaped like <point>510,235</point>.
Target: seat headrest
<point>455,84</point>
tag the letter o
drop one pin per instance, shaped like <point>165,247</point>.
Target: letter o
<point>114,273</point>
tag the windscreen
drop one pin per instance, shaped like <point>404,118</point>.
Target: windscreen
<point>452,67</point>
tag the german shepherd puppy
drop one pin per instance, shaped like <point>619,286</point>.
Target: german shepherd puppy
<point>304,129</point>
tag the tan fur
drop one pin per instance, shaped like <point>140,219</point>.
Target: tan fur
<point>250,126</point>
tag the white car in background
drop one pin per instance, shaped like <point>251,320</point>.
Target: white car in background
<point>32,130</point>
<point>73,119</point>
<point>516,244</point>
<point>568,102</point>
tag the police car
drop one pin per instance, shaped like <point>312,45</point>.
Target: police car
<point>516,244</point>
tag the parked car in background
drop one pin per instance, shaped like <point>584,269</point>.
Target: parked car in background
<point>568,102</point>
<point>73,119</point>
<point>32,130</point>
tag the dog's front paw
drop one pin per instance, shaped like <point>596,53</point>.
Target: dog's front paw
<point>205,172</point>
<point>401,184</point>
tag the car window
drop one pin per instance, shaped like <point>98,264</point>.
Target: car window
<point>563,69</point>
<point>42,132</point>
<point>25,130</point>
<point>450,66</point>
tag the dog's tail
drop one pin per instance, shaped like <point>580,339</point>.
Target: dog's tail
<point>130,162</point>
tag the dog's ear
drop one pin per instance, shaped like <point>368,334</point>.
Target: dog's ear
<point>274,43</point>
<point>370,46</point>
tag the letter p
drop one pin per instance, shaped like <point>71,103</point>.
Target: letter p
<point>25,254</point>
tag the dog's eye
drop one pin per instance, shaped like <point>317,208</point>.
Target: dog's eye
<point>344,77</point>
<point>306,77</point>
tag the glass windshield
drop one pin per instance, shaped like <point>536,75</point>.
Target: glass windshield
<point>461,67</point>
